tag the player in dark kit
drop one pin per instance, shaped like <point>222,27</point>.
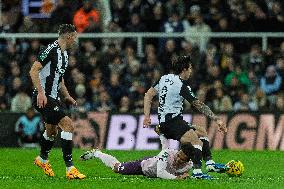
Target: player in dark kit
<point>47,76</point>
<point>172,90</point>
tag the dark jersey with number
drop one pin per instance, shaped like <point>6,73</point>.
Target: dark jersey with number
<point>54,62</point>
<point>172,91</point>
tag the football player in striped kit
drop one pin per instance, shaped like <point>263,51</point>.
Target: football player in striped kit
<point>47,74</point>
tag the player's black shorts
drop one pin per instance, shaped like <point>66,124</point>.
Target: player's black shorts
<point>53,111</point>
<point>175,128</point>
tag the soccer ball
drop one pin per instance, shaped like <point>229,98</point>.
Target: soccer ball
<point>236,168</point>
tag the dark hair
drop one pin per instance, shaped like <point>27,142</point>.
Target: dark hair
<point>180,63</point>
<point>66,28</point>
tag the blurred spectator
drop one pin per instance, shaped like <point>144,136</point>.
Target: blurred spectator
<point>261,99</point>
<point>240,75</point>
<point>173,24</point>
<point>280,66</point>
<point>104,103</point>
<point>216,10</point>
<point>82,104</point>
<point>117,66</point>
<point>253,60</point>
<point>124,105</point>
<point>245,104</point>
<point>21,102</point>
<point>271,82</point>
<point>167,54</point>
<point>112,27</point>
<point>227,57</point>
<point>60,15</point>
<point>3,78</point>
<point>223,25</point>
<point>222,102</point>
<point>29,129</point>
<point>4,99</point>
<point>29,26</point>
<point>199,26</point>
<point>175,6</point>
<point>5,25</point>
<point>276,17</point>
<point>280,103</point>
<point>87,19</point>
<point>120,13</point>
<point>155,23</point>
<point>115,90</point>
<point>135,24</point>
<point>9,54</point>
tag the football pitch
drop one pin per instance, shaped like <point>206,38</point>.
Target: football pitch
<point>263,169</point>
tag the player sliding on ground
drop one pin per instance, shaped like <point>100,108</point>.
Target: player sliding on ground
<point>172,90</point>
<point>168,164</point>
<point>47,74</point>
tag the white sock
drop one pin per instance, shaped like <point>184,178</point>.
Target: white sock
<point>108,160</point>
<point>164,141</point>
<point>210,162</point>
<point>69,168</point>
<point>196,171</point>
<point>42,160</point>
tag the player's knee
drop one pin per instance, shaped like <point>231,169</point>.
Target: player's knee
<point>188,150</point>
<point>116,168</point>
<point>52,133</point>
<point>66,124</point>
<point>200,131</point>
<point>190,137</point>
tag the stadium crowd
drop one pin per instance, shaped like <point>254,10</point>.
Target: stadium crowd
<point>107,75</point>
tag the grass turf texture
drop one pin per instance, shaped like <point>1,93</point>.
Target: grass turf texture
<point>262,170</point>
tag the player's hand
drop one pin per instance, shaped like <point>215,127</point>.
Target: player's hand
<point>222,127</point>
<point>70,100</point>
<point>183,176</point>
<point>147,121</point>
<point>41,100</point>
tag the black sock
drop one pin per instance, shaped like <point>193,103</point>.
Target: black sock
<point>206,151</point>
<point>46,146</point>
<point>197,160</point>
<point>67,152</point>
<point>193,153</point>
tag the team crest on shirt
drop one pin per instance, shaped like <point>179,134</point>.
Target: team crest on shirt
<point>61,70</point>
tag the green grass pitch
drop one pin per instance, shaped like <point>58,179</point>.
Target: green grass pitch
<point>263,169</point>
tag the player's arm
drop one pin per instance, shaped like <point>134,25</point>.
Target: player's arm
<point>164,141</point>
<point>149,95</point>
<point>63,89</point>
<point>162,165</point>
<point>34,73</point>
<point>65,93</point>
<point>200,106</point>
<point>203,108</point>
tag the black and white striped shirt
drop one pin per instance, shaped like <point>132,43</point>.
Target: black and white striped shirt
<point>54,62</point>
<point>172,91</point>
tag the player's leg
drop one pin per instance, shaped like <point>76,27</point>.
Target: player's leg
<point>202,134</point>
<point>46,144</point>
<point>178,129</point>
<point>67,127</point>
<point>192,147</point>
<point>211,166</point>
<point>108,160</point>
<point>47,141</point>
<point>129,168</point>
